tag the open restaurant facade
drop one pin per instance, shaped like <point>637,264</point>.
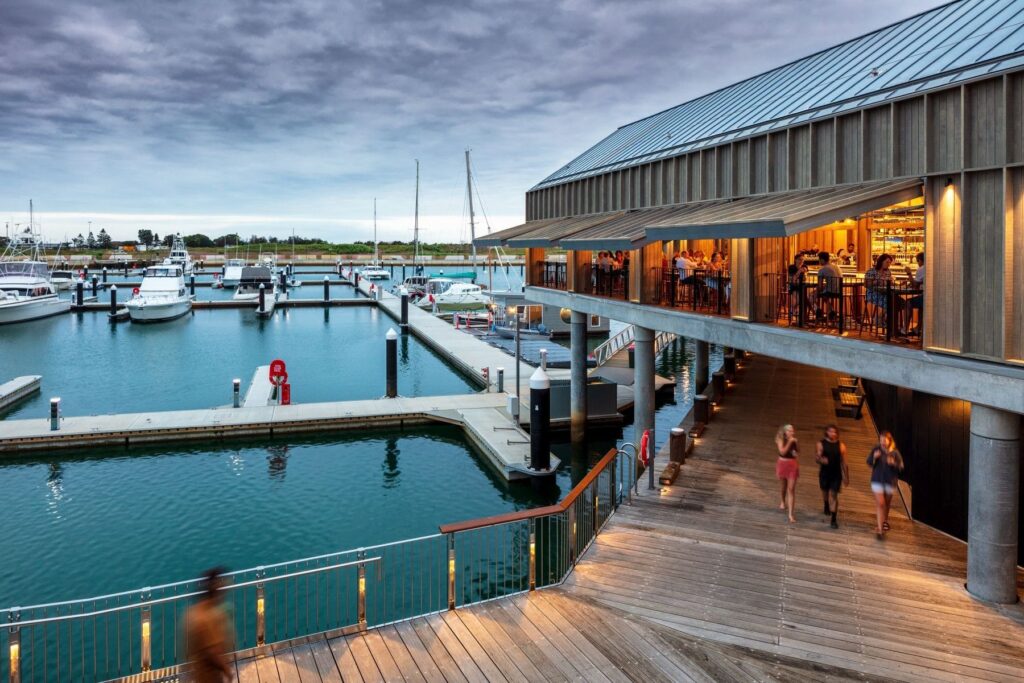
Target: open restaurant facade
<point>861,209</point>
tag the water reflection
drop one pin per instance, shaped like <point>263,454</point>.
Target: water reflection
<point>55,489</point>
<point>277,461</point>
<point>390,466</point>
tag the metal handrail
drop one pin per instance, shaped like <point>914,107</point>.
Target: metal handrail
<point>606,350</point>
<point>125,633</point>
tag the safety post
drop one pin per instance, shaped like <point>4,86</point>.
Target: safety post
<point>236,391</point>
<point>54,413</point>
<point>391,351</point>
<point>261,617</point>
<point>533,554</point>
<point>113,299</point>
<point>451,571</point>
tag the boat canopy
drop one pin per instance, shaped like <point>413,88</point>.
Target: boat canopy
<point>255,275</point>
<point>163,271</point>
<point>24,269</point>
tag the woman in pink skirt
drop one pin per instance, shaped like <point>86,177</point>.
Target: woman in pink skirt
<point>787,468</point>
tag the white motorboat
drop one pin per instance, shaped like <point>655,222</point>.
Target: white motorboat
<point>162,295</point>
<point>415,285</point>
<point>448,295</point>
<point>179,256</point>
<point>27,291</point>
<point>63,279</point>
<point>232,272</point>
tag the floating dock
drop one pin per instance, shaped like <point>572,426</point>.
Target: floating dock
<point>504,445</point>
<point>18,389</point>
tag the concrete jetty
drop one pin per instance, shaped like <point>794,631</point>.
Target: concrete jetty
<point>104,306</point>
<point>18,389</point>
<point>260,391</point>
<point>505,446</point>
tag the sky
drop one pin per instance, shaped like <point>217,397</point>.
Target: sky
<point>268,116</point>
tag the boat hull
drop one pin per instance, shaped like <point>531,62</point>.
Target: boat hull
<point>157,312</point>
<point>24,311</point>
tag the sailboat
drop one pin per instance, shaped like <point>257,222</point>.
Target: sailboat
<point>467,274</point>
<point>374,270</point>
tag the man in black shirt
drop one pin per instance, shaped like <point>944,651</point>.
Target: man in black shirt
<point>833,473</point>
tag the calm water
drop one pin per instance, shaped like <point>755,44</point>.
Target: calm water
<point>95,367</point>
<point>111,521</point>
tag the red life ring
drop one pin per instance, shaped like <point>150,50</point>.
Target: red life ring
<point>135,291</point>
<point>644,444</point>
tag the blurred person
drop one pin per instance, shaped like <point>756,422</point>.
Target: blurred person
<point>833,473</point>
<point>208,633</point>
<point>787,468</point>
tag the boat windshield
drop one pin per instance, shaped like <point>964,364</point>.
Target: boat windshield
<point>23,269</point>
<point>163,271</point>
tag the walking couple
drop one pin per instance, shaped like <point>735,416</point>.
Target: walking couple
<point>885,462</point>
<point>830,454</point>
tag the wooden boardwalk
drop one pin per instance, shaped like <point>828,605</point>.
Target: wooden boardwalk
<point>706,581</point>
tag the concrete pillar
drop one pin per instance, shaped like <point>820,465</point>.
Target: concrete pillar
<point>578,377</point>
<point>700,373</point>
<point>993,502</point>
<point>643,386</point>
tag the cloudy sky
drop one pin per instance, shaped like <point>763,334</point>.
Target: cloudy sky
<point>260,116</point>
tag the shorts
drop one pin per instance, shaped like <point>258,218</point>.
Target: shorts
<point>879,487</point>
<point>829,483</point>
<point>787,468</point>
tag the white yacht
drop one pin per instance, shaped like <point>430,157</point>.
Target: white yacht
<point>443,294</point>
<point>63,278</point>
<point>162,295</point>
<point>26,292</point>
<point>232,272</point>
<point>179,256</point>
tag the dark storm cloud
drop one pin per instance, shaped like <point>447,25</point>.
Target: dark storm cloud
<point>152,105</point>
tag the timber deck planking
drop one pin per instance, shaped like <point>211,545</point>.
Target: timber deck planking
<point>706,581</point>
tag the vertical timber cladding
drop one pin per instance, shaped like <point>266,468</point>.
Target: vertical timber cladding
<point>741,168</point>
<point>823,163</point>
<point>848,148</point>
<point>877,136</point>
<point>1014,265</point>
<point>983,228</point>
<point>909,138</point>
<point>650,267</point>
<point>943,305</point>
<point>800,160</point>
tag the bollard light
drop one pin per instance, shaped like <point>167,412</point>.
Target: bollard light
<point>391,363</point>
<point>147,644</point>
<point>544,359</point>
<point>14,655</point>
<point>451,571</point>
<point>236,390</point>
<point>361,606</point>
<point>261,617</point>
<point>501,380</point>
<point>113,299</point>
<point>533,554</point>
<point>54,413</point>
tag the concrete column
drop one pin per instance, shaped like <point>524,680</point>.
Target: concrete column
<point>992,507</point>
<point>643,385</point>
<point>578,377</point>
<point>700,374</point>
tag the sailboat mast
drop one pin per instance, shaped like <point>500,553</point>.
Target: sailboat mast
<point>416,220</point>
<point>375,255</point>
<point>472,226</point>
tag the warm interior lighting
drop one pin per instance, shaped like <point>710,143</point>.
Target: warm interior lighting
<point>15,658</point>
<point>362,584</point>
<point>259,606</point>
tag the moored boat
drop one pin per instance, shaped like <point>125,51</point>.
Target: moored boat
<point>161,296</point>
<point>26,289</point>
<point>179,256</point>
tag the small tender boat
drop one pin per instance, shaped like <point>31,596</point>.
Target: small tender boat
<point>62,279</point>
<point>162,295</point>
<point>179,256</point>
<point>509,331</point>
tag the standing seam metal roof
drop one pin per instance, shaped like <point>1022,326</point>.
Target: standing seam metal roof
<point>946,45</point>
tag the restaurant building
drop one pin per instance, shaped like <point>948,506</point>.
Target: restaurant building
<point>905,141</point>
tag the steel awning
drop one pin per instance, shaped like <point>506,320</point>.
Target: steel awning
<point>780,215</point>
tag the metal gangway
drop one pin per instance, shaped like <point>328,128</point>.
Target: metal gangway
<point>622,340</point>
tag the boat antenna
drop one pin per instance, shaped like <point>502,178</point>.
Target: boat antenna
<point>472,227</point>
